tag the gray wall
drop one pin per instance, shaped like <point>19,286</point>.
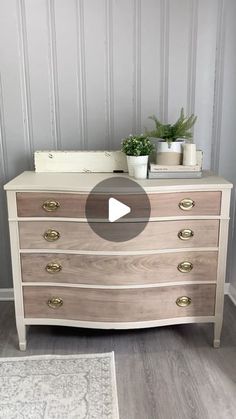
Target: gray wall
<point>81,74</point>
<point>226,145</point>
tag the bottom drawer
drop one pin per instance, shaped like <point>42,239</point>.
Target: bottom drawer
<point>123,305</point>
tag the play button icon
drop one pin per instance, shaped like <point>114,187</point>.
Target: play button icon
<point>117,210</point>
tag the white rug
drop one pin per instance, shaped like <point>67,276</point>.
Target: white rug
<point>58,387</point>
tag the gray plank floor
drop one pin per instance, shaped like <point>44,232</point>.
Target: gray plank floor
<point>162,373</point>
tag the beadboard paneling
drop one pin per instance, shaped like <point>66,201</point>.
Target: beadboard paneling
<point>150,61</point>
<point>82,74</point>
<point>179,17</point>
<point>123,39</point>
<point>226,144</point>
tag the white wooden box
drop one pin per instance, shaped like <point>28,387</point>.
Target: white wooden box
<point>80,161</point>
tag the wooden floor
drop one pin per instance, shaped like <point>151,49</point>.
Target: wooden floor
<point>162,373</point>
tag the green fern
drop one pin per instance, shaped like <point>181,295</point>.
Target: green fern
<point>181,128</point>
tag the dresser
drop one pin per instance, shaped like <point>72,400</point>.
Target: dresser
<point>173,272</point>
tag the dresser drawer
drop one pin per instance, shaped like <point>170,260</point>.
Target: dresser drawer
<point>127,305</point>
<point>36,204</point>
<point>156,235</point>
<point>119,269</point>
<point>32,204</point>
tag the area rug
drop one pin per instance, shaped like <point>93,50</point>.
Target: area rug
<point>58,387</point>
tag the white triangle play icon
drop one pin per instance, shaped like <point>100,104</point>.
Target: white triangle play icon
<point>117,209</point>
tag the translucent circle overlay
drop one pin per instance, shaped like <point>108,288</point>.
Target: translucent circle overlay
<point>129,193</point>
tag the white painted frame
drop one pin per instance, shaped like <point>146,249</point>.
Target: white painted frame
<point>22,322</point>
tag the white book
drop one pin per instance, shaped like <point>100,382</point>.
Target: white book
<point>179,168</point>
<point>174,175</point>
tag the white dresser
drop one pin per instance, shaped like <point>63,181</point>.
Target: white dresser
<point>65,274</point>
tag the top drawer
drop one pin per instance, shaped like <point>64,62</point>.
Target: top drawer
<point>34,204</point>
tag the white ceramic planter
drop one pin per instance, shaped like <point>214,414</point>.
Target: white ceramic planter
<point>169,153</point>
<point>137,166</point>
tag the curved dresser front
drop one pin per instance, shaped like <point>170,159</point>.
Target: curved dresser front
<point>65,274</point>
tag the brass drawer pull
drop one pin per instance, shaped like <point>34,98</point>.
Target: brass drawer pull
<point>50,205</point>
<point>186,204</point>
<point>183,301</point>
<point>51,235</point>
<point>185,234</point>
<point>185,267</point>
<point>55,302</point>
<point>53,267</point>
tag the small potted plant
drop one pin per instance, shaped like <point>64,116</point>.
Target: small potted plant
<point>171,138</point>
<point>137,149</point>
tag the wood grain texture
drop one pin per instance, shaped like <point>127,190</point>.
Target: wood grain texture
<point>119,305</point>
<point>119,270</point>
<point>156,235</point>
<point>29,204</point>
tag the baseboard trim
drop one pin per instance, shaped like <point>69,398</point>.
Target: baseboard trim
<point>7,294</point>
<point>227,287</point>
<point>232,294</point>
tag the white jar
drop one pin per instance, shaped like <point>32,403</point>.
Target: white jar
<point>189,155</point>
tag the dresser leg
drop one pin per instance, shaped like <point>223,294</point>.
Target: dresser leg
<point>217,333</point>
<point>21,330</point>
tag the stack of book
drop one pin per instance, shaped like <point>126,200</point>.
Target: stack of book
<point>157,171</point>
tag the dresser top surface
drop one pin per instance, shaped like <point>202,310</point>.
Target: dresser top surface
<point>85,182</point>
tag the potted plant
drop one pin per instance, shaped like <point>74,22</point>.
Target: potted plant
<point>137,149</point>
<point>171,137</point>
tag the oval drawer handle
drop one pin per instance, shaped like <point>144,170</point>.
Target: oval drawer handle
<point>186,204</point>
<point>183,301</point>
<point>55,302</point>
<point>185,266</point>
<point>50,205</point>
<point>53,267</point>
<point>51,235</point>
<point>185,234</point>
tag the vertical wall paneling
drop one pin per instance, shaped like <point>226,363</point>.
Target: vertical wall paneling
<point>192,58</point>
<point>225,159</point>
<point>164,59</point>
<point>123,68</point>
<point>53,75</point>
<point>16,148</point>
<point>178,56</point>
<point>4,248</point>
<point>38,72</point>
<point>205,76</point>
<point>25,82</point>
<point>3,145</point>
<point>65,62</point>
<point>150,61</point>
<point>95,53</point>
<point>81,73</point>
<point>137,67</point>
<point>109,75</point>
<point>219,75</point>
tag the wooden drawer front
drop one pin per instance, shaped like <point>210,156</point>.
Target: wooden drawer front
<point>30,204</point>
<point>119,270</point>
<point>185,203</point>
<point>126,305</point>
<point>156,235</point>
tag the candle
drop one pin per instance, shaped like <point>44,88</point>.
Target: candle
<point>189,155</point>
